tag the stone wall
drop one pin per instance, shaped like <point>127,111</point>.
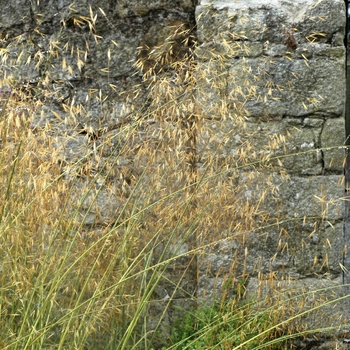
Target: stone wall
<point>291,52</point>
<point>295,57</point>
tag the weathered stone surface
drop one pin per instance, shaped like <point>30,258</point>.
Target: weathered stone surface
<point>315,196</point>
<point>140,8</point>
<point>296,82</point>
<point>297,250</point>
<point>290,144</point>
<point>72,149</point>
<point>287,70</point>
<point>96,206</point>
<point>332,140</point>
<point>296,237</point>
<point>290,249</point>
<point>302,296</point>
<point>14,13</point>
<point>84,46</point>
<point>290,87</point>
<point>266,20</point>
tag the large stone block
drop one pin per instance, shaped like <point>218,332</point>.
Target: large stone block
<point>319,302</point>
<point>288,87</point>
<point>305,75</point>
<point>319,197</point>
<point>286,250</point>
<point>141,7</point>
<point>14,13</point>
<point>270,20</point>
<point>283,144</point>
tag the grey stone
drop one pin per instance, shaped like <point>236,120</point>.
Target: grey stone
<point>305,296</point>
<point>314,196</point>
<point>95,206</point>
<point>332,141</point>
<point>14,13</point>
<point>289,144</point>
<point>266,20</point>
<point>291,88</point>
<point>71,149</point>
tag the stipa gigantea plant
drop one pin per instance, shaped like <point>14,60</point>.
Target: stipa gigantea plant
<point>68,272</point>
<point>25,170</point>
<point>45,242</point>
<point>250,152</point>
<point>184,127</point>
<point>96,281</point>
<point>77,287</point>
<point>59,270</point>
<point>71,262</point>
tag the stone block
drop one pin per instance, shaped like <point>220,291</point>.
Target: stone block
<point>270,20</point>
<point>289,144</point>
<point>297,249</point>
<point>318,302</point>
<point>283,250</point>
<point>319,197</point>
<point>288,87</point>
<point>126,8</point>
<point>13,13</point>
<point>71,150</point>
<point>306,79</point>
<point>332,140</point>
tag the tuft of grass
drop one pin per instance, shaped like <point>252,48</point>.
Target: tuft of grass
<point>99,245</point>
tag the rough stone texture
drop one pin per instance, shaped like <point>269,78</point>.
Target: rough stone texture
<point>331,142</point>
<point>308,196</point>
<point>312,86</point>
<point>300,139</point>
<point>298,104</point>
<point>301,297</point>
<point>85,47</point>
<point>302,81</point>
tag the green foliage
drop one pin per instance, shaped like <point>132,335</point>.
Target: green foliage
<point>224,326</point>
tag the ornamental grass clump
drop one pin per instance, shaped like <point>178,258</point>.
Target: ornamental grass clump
<point>104,230</point>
